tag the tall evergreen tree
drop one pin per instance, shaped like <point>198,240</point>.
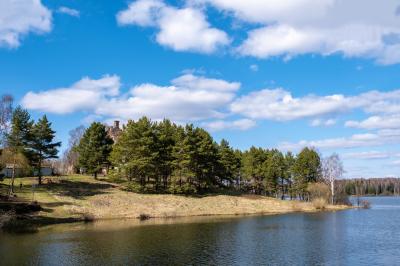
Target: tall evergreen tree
<point>94,149</point>
<point>307,169</point>
<point>42,145</point>
<point>253,169</point>
<point>135,154</point>
<point>274,171</point>
<point>182,174</point>
<point>18,138</point>
<point>165,135</point>
<point>289,173</point>
<point>229,163</point>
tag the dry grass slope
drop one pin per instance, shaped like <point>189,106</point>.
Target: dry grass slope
<point>82,196</point>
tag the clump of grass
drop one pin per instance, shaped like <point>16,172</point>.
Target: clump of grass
<point>319,203</point>
<point>143,217</point>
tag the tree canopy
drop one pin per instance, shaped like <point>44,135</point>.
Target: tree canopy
<point>94,149</point>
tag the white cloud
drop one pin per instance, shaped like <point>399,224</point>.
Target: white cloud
<point>254,68</point>
<point>320,122</point>
<point>241,124</point>
<point>279,104</point>
<point>181,29</point>
<point>69,11</point>
<point>355,40</point>
<point>189,98</point>
<point>368,155</point>
<point>354,141</point>
<point>85,94</point>
<point>376,122</point>
<point>353,28</point>
<point>202,83</point>
<point>20,17</point>
<point>267,11</point>
<point>142,13</point>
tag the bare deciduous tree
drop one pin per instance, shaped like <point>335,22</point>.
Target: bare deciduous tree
<point>6,103</point>
<point>332,169</point>
<point>70,156</point>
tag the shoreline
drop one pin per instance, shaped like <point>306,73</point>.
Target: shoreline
<point>83,199</point>
<point>32,224</point>
<point>27,223</point>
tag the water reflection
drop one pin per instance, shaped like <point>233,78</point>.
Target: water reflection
<point>353,237</point>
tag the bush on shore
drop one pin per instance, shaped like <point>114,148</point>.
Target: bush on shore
<point>319,203</point>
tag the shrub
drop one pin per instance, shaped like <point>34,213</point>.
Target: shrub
<point>319,191</point>
<point>87,217</point>
<point>143,217</point>
<point>319,203</point>
<point>186,188</point>
<point>134,187</point>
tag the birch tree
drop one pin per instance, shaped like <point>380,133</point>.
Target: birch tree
<point>332,168</point>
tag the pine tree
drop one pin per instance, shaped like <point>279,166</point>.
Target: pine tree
<point>205,159</point>
<point>253,169</point>
<point>229,163</point>
<point>135,154</point>
<point>42,145</point>
<point>182,174</point>
<point>307,169</point>
<point>94,149</point>
<point>18,138</point>
<point>165,135</point>
<point>289,173</point>
<point>274,171</point>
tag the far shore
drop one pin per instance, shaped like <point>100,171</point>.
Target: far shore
<point>81,198</point>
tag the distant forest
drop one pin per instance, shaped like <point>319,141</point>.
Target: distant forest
<point>371,186</point>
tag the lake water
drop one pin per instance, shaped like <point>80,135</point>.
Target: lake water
<point>351,237</point>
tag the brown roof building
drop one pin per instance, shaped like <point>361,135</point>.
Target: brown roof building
<point>114,131</point>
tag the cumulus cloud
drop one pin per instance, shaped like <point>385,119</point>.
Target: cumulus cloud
<point>142,13</point>
<point>188,98</point>
<point>354,141</point>
<point>280,105</point>
<point>21,17</point>
<point>69,11</point>
<point>368,155</point>
<point>354,28</point>
<point>202,83</point>
<point>267,11</point>
<point>376,122</point>
<point>321,122</point>
<point>181,29</point>
<point>241,124</point>
<point>85,94</point>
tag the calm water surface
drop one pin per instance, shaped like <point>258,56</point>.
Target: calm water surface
<point>352,237</point>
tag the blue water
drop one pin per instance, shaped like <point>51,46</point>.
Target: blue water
<point>351,237</point>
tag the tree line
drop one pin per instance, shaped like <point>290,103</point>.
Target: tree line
<point>164,157</point>
<point>371,186</point>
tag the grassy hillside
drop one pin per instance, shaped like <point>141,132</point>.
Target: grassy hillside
<point>82,196</point>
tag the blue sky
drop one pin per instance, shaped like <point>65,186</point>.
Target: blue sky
<point>267,73</point>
